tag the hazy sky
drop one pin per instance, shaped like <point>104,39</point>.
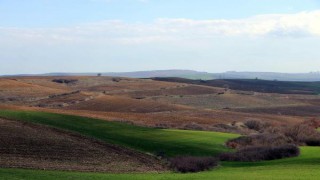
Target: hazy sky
<point>39,36</point>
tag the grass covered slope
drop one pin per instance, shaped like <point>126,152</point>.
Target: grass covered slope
<point>150,140</point>
<point>305,166</point>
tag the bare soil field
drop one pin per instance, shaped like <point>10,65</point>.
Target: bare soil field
<point>26,145</point>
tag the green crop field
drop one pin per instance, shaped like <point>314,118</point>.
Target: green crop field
<point>150,140</point>
<point>306,166</point>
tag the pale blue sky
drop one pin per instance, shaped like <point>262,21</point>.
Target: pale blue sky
<point>38,36</point>
<point>51,13</point>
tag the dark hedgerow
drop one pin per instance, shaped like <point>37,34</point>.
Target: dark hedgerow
<point>312,142</point>
<point>261,153</point>
<point>193,164</point>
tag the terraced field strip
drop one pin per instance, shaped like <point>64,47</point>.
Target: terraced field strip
<point>150,140</point>
<point>305,166</point>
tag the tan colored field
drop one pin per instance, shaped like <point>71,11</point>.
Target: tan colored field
<point>18,92</point>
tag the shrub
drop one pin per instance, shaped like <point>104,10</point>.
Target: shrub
<point>64,81</point>
<point>260,153</point>
<point>193,164</point>
<point>254,124</point>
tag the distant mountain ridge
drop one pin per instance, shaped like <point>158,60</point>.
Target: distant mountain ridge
<point>268,76</point>
<point>190,74</point>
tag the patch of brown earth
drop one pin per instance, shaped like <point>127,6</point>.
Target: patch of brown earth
<point>24,145</point>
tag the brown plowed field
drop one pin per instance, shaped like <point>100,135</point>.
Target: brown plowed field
<point>33,146</point>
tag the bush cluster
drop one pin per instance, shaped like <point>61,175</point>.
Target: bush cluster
<point>300,134</point>
<point>272,142</point>
<point>260,153</point>
<point>193,164</point>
